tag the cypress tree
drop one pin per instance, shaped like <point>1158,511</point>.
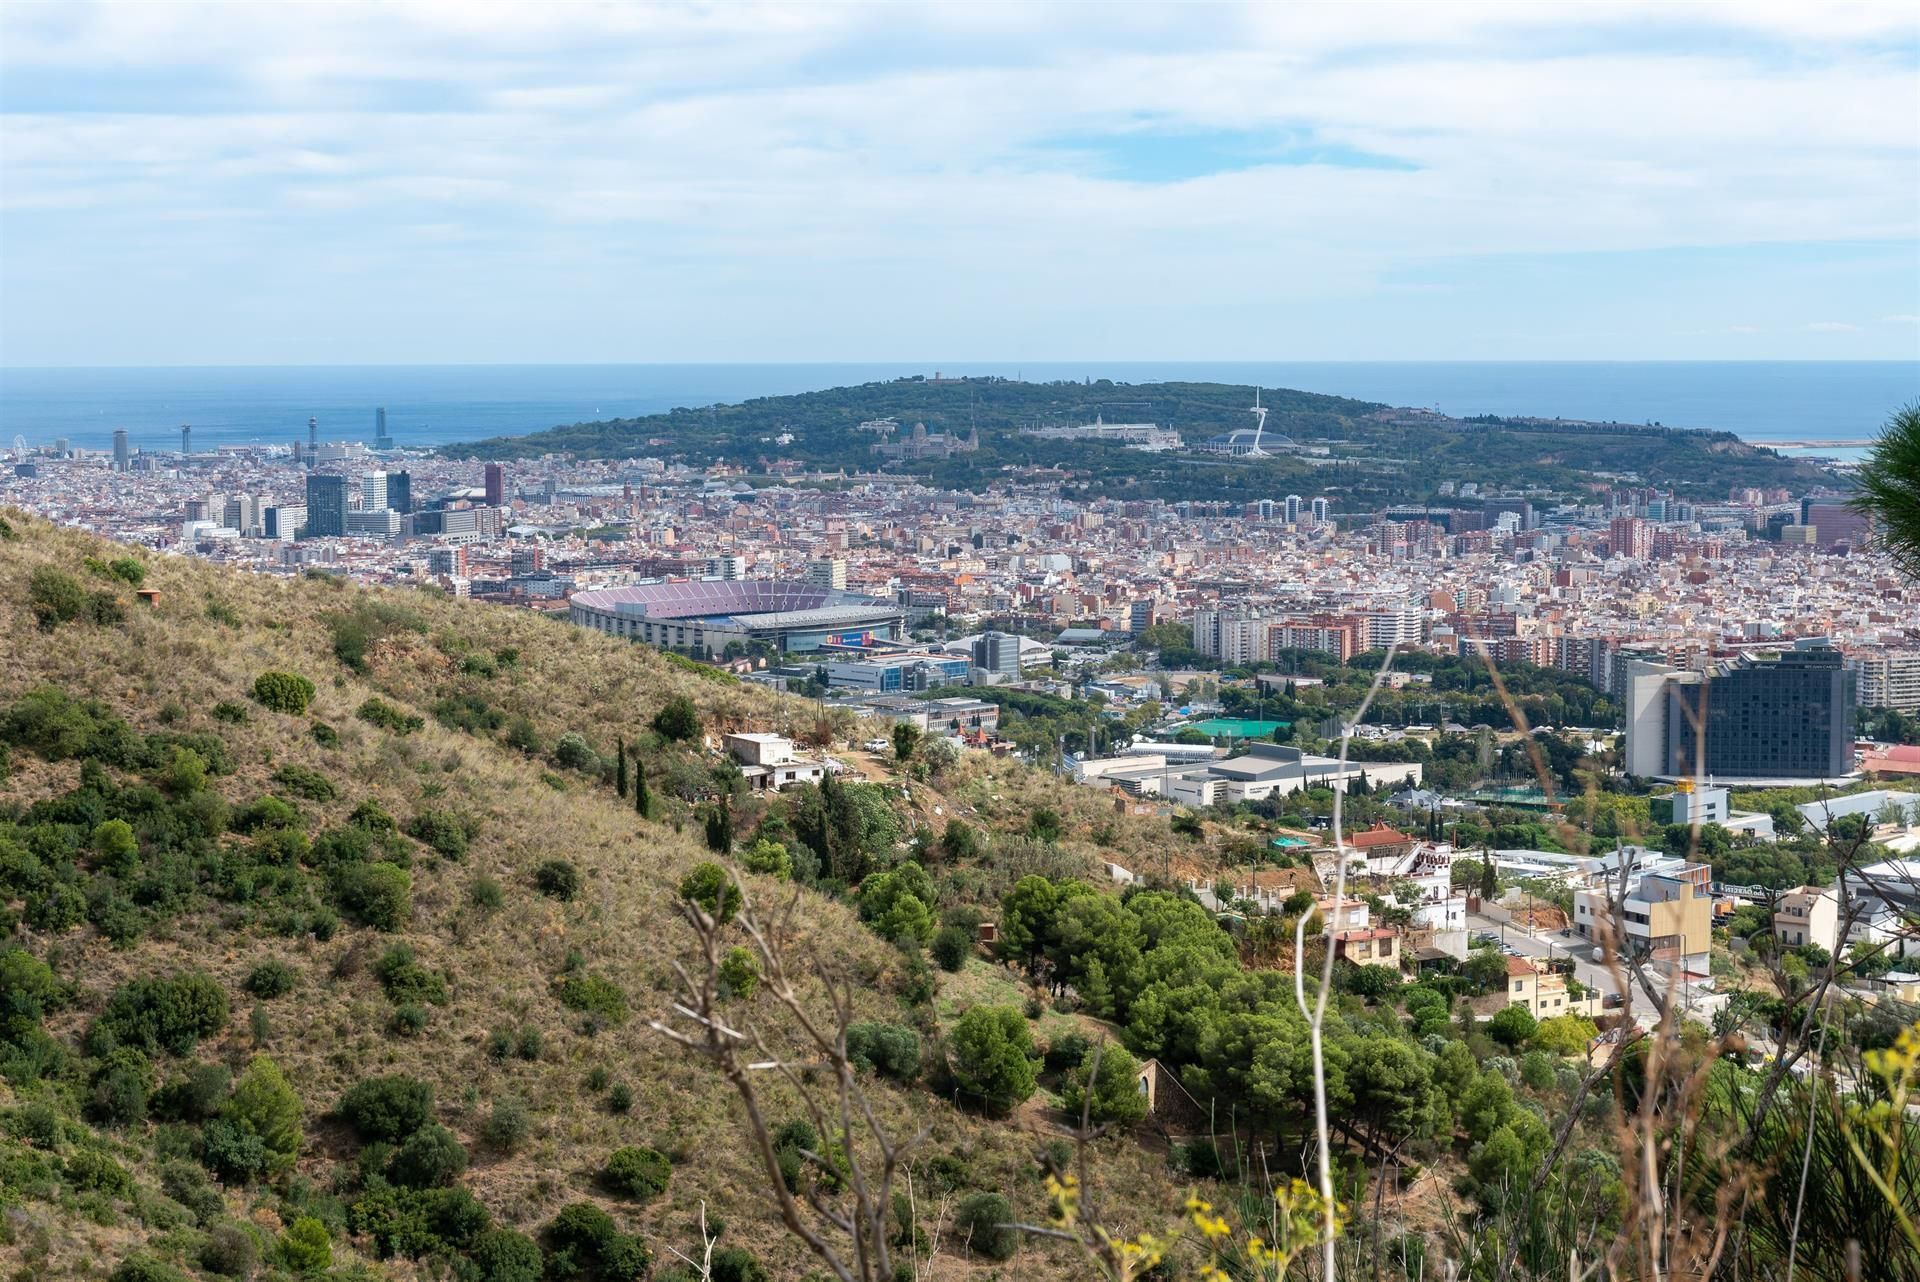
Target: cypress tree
<point>620,771</point>
<point>1489,879</point>
<point>642,801</point>
<point>720,827</point>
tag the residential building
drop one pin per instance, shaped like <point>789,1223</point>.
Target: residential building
<point>1807,915</point>
<point>1666,917</point>
<point>827,573</point>
<point>326,506</point>
<point>1375,946</point>
<point>1886,678</point>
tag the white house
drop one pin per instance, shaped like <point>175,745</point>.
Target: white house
<point>768,763</point>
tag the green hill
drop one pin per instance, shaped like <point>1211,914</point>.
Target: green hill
<point>1359,459</point>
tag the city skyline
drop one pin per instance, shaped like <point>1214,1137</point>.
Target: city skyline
<point>574,183</point>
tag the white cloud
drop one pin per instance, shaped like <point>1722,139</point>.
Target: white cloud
<point>857,146</point>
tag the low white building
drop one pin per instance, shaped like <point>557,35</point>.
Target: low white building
<point>768,762</point>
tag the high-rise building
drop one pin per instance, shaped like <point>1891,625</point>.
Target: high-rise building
<point>524,561</point>
<point>496,485</point>
<point>373,492</point>
<point>122,454</point>
<point>1319,510</point>
<point>1293,502</point>
<point>381,441</point>
<point>1630,537</point>
<point>1230,636</point>
<point>400,492</point>
<point>326,506</point>
<point>285,521</point>
<point>827,573</point>
<point>186,438</point>
<point>1887,679</point>
<point>1785,714</point>
<point>313,441</point>
<point>998,655</point>
<point>1836,521</point>
<point>1140,615</point>
<point>729,568</point>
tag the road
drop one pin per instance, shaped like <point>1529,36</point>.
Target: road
<point>1547,946</point>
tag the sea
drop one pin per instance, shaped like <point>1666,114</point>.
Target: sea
<point>1765,402</point>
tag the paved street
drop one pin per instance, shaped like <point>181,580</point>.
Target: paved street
<point>1547,945</point>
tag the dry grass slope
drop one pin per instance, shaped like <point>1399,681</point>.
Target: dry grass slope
<point>203,642</point>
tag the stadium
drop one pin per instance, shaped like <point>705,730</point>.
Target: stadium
<point>705,616</point>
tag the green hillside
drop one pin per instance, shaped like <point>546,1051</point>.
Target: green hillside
<point>1359,460</point>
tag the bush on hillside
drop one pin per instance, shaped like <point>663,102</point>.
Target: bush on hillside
<point>305,783</point>
<point>429,1158</point>
<point>557,879</point>
<point>387,1108</point>
<point>287,692</point>
<point>636,1172</point>
<point>379,895</point>
<point>445,831</point>
<point>891,1050</point>
<point>983,1223</point>
<point>378,712</point>
<point>158,1015</point>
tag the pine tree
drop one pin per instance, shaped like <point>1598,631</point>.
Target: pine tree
<point>642,798</point>
<point>620,771</point>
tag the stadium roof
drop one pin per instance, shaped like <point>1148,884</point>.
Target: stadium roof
<point>759,599</point>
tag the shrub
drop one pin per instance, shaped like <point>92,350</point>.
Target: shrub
<point>387,1108</point>
<point>409,1020</point>
<point>233,714</point>
<point>305,1246</point>
<point>739,973</point>
<point>287,692</point>
<point>443,830</point>
<point>992,1053</point>
<point>620,1098</point>
<point>637,1173</point>
<point>120,1094</point>
<point>601,997</point>
<point>379,895</point>
<point>429,1158</point>
<point>230,1252</point>
<point>195,1095</point>
<point>55,596</point>
<point>711,888</point>
<point>270,979</point>
<point>378,712</point>
<point>163,1014</point>
<point>767,857</point>
<point>91,1170</point>
<point>486,893</point>
<point>528,1044</point>
<point>232,1152</point>
<point>891,1050</point>
<point>502,1255</point>
<point>899,904</point>
<point>265,815</point>
<point>325,735</point>
<point>60,907</point>
<point>507,1125</point>
<point>1066,1051</point>
<point>302,782</point>
<point>737,1264</point>
<point>678,720</point>
<point>143,1267</point>
<point>557,879</point>
<point>406,981</point>
<point>952,945</point>
<point>573,752</point>
<point>983,1223</point>
<point>115,848</point>
<point>369,622</point>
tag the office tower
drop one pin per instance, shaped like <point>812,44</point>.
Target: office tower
<point>496,485</point>
<point>60,446</point>
<point>1836,521</point>
<point>1782,715</point>
<point>998,655</point>
<point>326,506</point>
<point>313,436</point>
<point>827,573</point>
<point>284,521</point>
<point>381,441</point>
<point>186,438</point>
<point>1319,511</point>
<point>122,456</point>
<point>400,492</point>
<point>1293,509</point>
<point>373,492</point>
<point>1140,615</point>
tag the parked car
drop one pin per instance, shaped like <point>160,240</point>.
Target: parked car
<point>876,745</point>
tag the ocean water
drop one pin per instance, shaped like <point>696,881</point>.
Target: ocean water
<point>435,404</point>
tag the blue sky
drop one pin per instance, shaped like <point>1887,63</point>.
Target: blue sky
<point>440,181</point>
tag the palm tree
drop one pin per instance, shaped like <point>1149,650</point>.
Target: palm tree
<point>1890,488</point>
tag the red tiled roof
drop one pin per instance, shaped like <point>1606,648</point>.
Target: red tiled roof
<point>1378,835</point>
<point>1518,966</point>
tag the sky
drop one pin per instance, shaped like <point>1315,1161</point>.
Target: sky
<point>445,181</point>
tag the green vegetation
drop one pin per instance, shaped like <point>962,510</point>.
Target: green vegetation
<point>1374,461</point>
<point>286,692</point>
